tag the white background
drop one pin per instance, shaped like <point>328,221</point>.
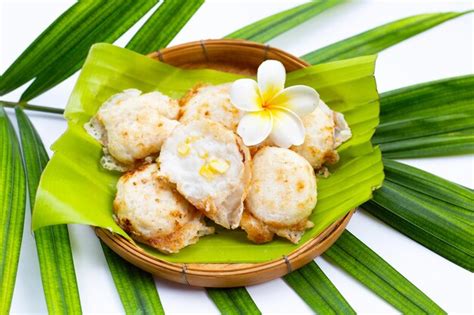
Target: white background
<point>444,51</point>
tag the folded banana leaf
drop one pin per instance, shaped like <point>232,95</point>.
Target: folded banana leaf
<point>74,187</point>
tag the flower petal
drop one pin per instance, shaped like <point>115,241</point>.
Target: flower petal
<point>255,127</point>
<point>287,128</point>
<point>300,99</point>
<point>245,95</point>
<point>271,76</point>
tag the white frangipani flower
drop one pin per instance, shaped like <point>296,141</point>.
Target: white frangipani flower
<point>271,110</point>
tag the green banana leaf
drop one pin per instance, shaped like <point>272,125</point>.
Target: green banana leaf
<point>433,211</point>
<point>380,38</point>
<point>74,187</point>
<point>12,209</point>
<point>428,119</point>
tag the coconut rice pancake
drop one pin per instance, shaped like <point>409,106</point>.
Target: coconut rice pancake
<point>210,102</point>
<point>210,167</point>
<point>281,197</point>
<point>325,131</point>
<point>132,126</point>
<point>151,211</point>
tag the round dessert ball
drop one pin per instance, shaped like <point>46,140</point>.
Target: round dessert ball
<point>132,126</point>
<point>210,102</point>
<point>152,212</point>
<point>325,131</point>
<point>282,193</point>
<point>210,167</point>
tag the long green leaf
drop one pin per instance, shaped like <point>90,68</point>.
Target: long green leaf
<point>269,27</point>
<point>12,209</point>
<point>100,26</point>
<point>52,243</point>
<point>428,119</point>
<point>371,270</point>
<point>233,301</point>
<point>432,211</point>
<point>54,42</point>
<point>163,25</point>
<point>379,38</point>
<point>315,288</point>
<point>136,287</point>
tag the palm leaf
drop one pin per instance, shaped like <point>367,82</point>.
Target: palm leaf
<point>163,25</point>
<point>314,287</point>
<point>12,209</point>
<point>58,275</point>
<point>233,301</point>
<point>434,212</point>
<point>372,271</point>
<point>269,27</point>
<point>118,19</point>
<point>53,43</point>
<point>379,38</point>
<point>136,287</point>
<point>36,108</point>
<point>428,119</point>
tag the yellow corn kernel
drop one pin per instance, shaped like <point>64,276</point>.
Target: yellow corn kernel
<point>218,165</point>
<point>191,139</point>
<point>206,171</point>
<point>203,154</point>
<point>183,149</point>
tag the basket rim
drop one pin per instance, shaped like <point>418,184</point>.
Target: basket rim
<point>225,274</point>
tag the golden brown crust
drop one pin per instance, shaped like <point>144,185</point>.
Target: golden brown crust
<point>190,94</point>
<point>247,160</point>
<point>256,230</point>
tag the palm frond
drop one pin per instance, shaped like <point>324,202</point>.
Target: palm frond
<point>163,25</point>
<point>269,27</point>
<point>136,287</point>
<point>432,211</point>
<point>379,38</point>
<point>118,19</point>
<point>52,243</point>
<point>53,43</point>
<point>233,301</point>
<point>429,119</point>
<point>371,270</point>
<point>12,209</point>
<point>315,288</point>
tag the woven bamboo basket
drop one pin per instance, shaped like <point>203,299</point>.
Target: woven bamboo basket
<point>242,57</point>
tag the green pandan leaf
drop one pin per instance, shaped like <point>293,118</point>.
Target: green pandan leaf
<point>271,26</point>
<point>371,270</point>
<point>160,29</point>
<point>97,26</point>
<point>233,301</point>
<point>12,209</point>
<point>58,275</point>
<point>135,287</point>
<point>315,288</point>
<point>379,38</point>
<point>433,211</point>
<point>75,172</point>
<point>429,119</point>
